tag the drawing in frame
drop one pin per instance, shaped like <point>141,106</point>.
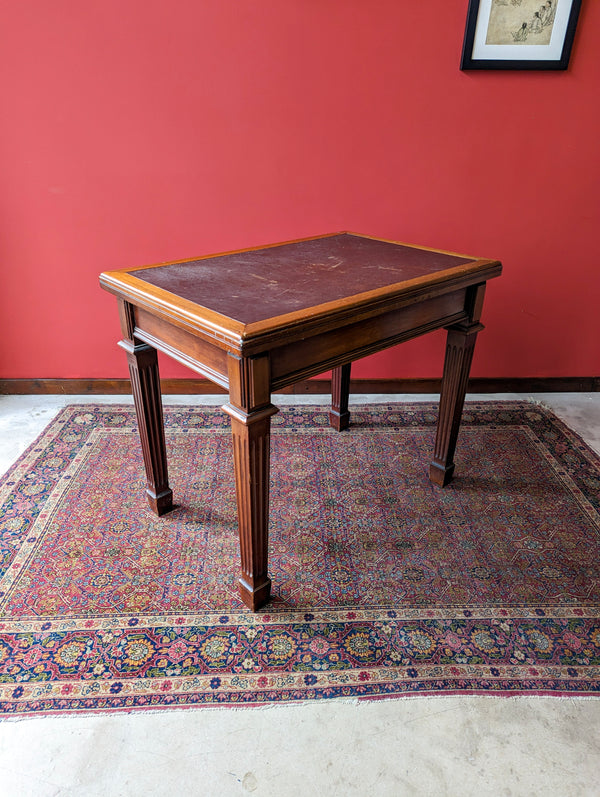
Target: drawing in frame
<point>519,34</point>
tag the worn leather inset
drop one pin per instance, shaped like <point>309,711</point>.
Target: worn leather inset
<point>264,283</point>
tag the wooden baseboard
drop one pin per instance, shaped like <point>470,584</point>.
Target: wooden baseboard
<point>561,384</point>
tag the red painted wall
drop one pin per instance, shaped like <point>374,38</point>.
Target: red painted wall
<point>137,131</point>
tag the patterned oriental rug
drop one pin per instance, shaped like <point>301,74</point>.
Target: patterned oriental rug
<point>384,585</point>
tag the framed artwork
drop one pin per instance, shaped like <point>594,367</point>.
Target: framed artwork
<point>519,34</point>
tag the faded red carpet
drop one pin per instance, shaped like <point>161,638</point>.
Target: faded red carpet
<point>383,585</point>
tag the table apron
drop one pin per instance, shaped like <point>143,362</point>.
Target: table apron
<point>187,348</point>
<point>313,355</point>
<point>300,359</point>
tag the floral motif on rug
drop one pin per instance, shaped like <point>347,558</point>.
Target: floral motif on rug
<point>383,584</point>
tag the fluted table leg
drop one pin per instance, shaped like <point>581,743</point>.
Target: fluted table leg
<point>145,385</point>
<point>459,355</point>
<point>250,411</point>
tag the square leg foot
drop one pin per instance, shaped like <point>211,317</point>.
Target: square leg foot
<point>440,475</point>
<point>339,420</point>
<point>162,503</point>
<point>255,597</point>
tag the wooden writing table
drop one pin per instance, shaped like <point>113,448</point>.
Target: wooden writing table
<point>259,320</point>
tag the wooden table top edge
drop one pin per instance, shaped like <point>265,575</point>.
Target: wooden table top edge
<point>140,293</point>
<point>124,284</point>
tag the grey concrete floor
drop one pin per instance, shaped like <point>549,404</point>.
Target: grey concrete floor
<point>414,746</point>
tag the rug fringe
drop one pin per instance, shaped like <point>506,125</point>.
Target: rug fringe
<point>356,702</point>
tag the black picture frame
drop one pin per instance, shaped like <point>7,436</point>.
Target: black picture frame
<point>477,53</point>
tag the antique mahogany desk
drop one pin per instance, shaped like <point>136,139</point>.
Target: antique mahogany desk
<point>258,320</point>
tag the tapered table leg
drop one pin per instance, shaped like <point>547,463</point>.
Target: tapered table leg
<point>145,384</point>
<point>251,436</point>
<point>459,354</point>
<point>339,417</point>
<point>250,411</point>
